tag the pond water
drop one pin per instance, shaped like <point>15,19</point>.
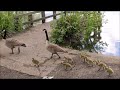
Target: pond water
<point>110,31</point>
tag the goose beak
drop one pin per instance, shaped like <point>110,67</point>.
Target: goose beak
<point>44,29</point>
<point>23,45</point>
<point>3,31</point>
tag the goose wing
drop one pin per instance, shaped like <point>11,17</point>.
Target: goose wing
<point>55,48</point>
<point>13,42</point>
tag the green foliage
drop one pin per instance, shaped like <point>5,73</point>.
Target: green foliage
<point>75,29</point>
<point>7,21</point>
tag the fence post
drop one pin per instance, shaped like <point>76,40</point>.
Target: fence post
<point>54,14</point>
<point>30,18</point>
<point>98,11</point>
<point>16,23</point>
<point>43,16</point>
<point>65,13</point>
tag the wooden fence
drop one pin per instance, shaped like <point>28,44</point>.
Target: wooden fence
<point>30,21</point>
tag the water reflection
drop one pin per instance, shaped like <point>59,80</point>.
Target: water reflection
<point>110,32</point>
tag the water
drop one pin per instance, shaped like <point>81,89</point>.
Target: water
<point>48,13</point>
<point>110,31</point>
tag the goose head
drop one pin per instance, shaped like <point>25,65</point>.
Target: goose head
<point>44,30</point>
<point>4,32</point>
<point>23,45</point>
<point>46,34</point>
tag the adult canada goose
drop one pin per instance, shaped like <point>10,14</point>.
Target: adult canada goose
<point>12,43</point>
<point>53,48</point>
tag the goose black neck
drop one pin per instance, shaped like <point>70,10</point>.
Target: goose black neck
<point>5,33</point>
<point>46,35</point>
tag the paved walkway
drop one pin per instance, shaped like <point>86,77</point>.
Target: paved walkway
<point>35,41</point>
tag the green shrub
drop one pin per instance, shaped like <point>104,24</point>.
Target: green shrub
<point>74,30</point>
<point>7,22</point>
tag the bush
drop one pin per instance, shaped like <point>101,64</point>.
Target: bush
<point>75,30</point>
<point>7,22</point>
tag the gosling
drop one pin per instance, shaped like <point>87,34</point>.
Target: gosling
<point>90,62</point>
<point>83,57</point>
<point>102,65</point>
<point>35,62</point>
<point>69,60</point>
<point>67,65</point>
<point>109,70</point>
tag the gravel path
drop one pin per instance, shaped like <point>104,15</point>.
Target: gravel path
<point>82,71</point>
<point>6,73</point>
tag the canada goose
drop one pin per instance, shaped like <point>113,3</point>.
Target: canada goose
<point>12,43</point>
<point>53,48</point>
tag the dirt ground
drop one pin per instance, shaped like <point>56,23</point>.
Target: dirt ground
<point>35,42</point>
<point>6,73</point>
<point>81,70</point>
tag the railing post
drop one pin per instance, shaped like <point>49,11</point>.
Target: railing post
<point>98,11</point>
<point>16,23</point>
<point>43,16</point>
<point>30,18</point>
<point>65,13</point>
<point>54,14</point>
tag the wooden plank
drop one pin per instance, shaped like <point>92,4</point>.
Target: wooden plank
<point>34,12</point>
<point>65,13</point>
<point>40,19</point>
<point>54,14</point>
<point>43,16</point>
<point>16,23</point>
<point>30,18</point>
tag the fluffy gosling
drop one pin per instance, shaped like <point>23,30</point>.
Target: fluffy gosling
<point>90,62</point>
<point>83,57</point>
<point>35,62</point>
<point>102,65</point>
<point>69,60</point>
<point>67,65</point>
<point>96,62</point>
<point>109,70</point>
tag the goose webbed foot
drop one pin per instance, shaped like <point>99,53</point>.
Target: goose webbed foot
<point>51,56</point>
<point>99,69</point>
<point>58,56</point>
<point>18,50</point>
<point>12,51</point>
